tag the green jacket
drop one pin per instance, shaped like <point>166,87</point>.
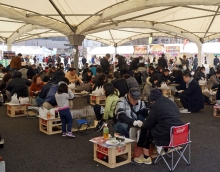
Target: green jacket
<point>110,103</point>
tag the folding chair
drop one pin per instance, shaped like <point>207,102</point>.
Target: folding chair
<point>80,123</point>
<point>179,142</point>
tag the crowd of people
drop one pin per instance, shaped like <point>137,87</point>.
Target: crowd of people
<point>133,93</point>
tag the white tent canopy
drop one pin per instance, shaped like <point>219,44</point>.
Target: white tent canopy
<point>29,50</point>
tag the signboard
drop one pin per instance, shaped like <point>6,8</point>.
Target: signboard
<point>8,54</point>
<point>157,49</point>
<point>173,49</point>
<point>140,49</point>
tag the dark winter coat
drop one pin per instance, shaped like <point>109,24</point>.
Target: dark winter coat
<point>134,65</point>
<point>45,89</point>
<point>162,116</point>
<point>121,63</point>
<point>162,62</point>
<point>18,85</point>
<point>105,66</point>
<point>195,96</point>
<point>121,86</point>
<point>216,61</point>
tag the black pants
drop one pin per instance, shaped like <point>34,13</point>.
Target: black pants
<point>145,139</point>
<point>184,100</point>
<point>97,109</point>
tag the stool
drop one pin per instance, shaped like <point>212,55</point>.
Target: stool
<point>216,111</point>
<point>80,123</point>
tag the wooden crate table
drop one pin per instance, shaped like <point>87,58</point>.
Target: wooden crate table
<point>99,100</point>
<point>16,110</point>
<point>113,156</point>
<point>166,91</point>
<point>50,126</point>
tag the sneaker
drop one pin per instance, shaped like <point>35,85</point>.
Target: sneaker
<point>142,160</point>
<point>100,126</point>
<point>63,134</point>
<point>184,111</point>
<point>70,134</point>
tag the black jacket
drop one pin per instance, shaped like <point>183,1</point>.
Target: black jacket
<point>162,116</point>
<point>57,75</point>
<point>179,80</point>
<point>30,73</point>
<point>195,96</point>
<point>66,61</point>
<point>153,77</point>
<point>121,63</point>
<point>121,86</point>
<point>163,78</point>
<point>218,93</point>
<point>162,63</point>
<point>3,86</point>
<point>18,85</point>
<point>45,89</point>
<point>105,66</point>
<point>198,75</point>
<point>134,64</point>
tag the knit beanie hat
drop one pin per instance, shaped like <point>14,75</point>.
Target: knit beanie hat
<point>155,94</point>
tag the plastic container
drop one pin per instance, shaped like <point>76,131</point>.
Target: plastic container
<point>106,132</point>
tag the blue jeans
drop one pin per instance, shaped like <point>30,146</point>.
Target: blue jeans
<point>66,119</point>
<point>39,101</point>
<point>123,128</point>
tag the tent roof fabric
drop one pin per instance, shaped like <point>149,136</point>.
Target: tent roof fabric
<point>112,22</point>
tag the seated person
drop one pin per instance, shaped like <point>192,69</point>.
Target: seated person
<point>1,68</point>
<point>87,77</point>
<point>120,84</point>
<point>110,102</point>
<point>50,100</point>
<point>192,97</point>
<point>214,81</point>
<point>51,72</point>
<point>100,82</point>
<point>72,76</point>
<point>154,76</point>
<point>164,77</point>
<point>23,70</point>
<point>44,91</point>
<point>178,79</point>
<point>4,83</point>
<point>163,115</point>
<point>5,71</point>
<point>39,68</point>
<point>31,72</point>
<point>85,66</point>
<point>17,85</point>
<point>200,74</point>
<point>129,111</point>
<point>57,75</point>
<point>98,73</point>
<point>36,86</point>
<point>131,81</point>
<point>211,72</point>
<point>93,69</point>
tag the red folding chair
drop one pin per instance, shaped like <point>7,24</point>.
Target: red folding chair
<point>179,142</point>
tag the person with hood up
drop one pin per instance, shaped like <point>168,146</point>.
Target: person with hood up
<point>17,85</point>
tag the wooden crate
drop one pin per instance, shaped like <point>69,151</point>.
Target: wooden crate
<point>16,110</point>
<point>50,126</point>
<point>216,111</point>
<point>112,153</point>
<point>99,100</point>
<point>166,92</point>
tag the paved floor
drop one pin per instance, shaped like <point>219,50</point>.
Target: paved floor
<point>28,150</point>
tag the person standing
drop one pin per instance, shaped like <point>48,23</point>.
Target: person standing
<point>84,60</point>
<point>195,63</point>
<point>216,61</point>
<point>62,97</point>
<point>66,60</point>
<point>15,63</point>
<point>105,66</point>
<point>162,62</point>
<point>121,64</point>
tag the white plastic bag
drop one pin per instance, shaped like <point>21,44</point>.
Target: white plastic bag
<point>43,112</point>
<point>72,86</point>
<point>24,100</point>
<point>14,99</point>
<point>98,91</point>
<point>163,86</point>
<point>202,82</point>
